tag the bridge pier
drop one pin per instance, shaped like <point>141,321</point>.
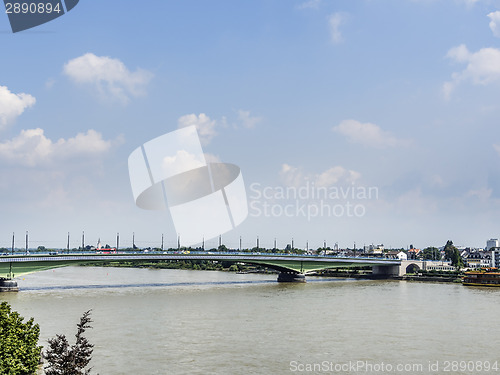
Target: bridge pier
<point>386,271</point>
<point>8,285</point>
<point>291,277</point>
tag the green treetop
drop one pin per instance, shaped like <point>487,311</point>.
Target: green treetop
<point>451,253</point>
<point>19,352</point>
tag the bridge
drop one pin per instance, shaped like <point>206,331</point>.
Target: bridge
<point>292,267</point>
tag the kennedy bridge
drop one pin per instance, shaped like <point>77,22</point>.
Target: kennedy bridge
<point>292,267</point>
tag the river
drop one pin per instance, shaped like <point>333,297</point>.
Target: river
<point>210,322</point>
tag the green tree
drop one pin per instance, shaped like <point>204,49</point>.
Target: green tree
<point>19,352</point>
<point>452,254</point>
<point>66,360</point>
<point>233,268</point>
<point>432,253</point>
<point>456,259</point>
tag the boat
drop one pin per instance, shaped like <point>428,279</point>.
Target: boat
<point>482,277</point>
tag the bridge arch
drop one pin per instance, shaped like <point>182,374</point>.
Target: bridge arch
<point>412,268</point>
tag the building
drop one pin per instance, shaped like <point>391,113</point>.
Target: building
<point>395,254</point>
<point>479,259</point>
<point>372,249</point>
<point>491,243</point>
<point>438,265</point>
<point>413,253</point>
<point>495,257</point>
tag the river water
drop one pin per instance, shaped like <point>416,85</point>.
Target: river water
<point>210,322</point>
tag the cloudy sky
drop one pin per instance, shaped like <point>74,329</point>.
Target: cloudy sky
<point>392,107</point>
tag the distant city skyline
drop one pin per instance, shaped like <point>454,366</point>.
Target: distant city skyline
<point>130,240</point>
<point>349,97</point>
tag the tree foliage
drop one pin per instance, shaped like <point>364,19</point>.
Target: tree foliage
<point>65,360</point>
<point>432,253</point>
<point>19,352</point>
<point>452,254</point>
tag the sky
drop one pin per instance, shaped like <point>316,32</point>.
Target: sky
<point>353,122</point>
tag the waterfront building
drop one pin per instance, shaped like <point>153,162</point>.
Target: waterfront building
<point>478,259</point>
<point>438,265</point>
<point>495,257</point>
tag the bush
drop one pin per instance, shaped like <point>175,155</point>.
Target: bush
<point>66,360</point>
<point>19,352</point>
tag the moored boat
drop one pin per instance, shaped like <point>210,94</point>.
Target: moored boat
<point>482,277</point>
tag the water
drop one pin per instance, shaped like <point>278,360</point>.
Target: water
<point>208,322</point>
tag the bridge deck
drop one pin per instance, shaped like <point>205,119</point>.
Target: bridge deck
<point>24,264</point>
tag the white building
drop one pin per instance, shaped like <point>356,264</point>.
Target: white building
<point>402,256</point>
<point>495,258</point>
<point>479,259</point>
<point>438,265</point>
<point>493,242</point>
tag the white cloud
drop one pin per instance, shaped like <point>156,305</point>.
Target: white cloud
<point>248,121</point>
<point>32,148</point>
<point>483,67</point>
<point>335,175</point>
<point>13,105</point>
<point>460,53</point>
<point>495,23</point>
<point>483,194</point>
<point>448,88</point>
<point>497,148</point>
<point>309,4</point>
<point>295,176</point>
<point>205,126</point>
<point>367,134</point>
<point>109,76</point>
<point>291,176</point>
<point>182,161</point>
<point>335,20</point>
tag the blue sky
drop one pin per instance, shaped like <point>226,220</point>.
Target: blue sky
<point>401,96</point>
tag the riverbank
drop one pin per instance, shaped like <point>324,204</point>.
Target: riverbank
<point>439,279</point>
<point>368,275</point>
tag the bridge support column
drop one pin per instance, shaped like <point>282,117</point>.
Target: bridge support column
<point>8,285</point>
<point>291,277</point>
<point>386,271</point>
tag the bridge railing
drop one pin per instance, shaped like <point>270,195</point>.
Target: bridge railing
<point>207,253</point>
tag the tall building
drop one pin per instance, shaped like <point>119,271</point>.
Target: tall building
<point>495,258</point>
<point>491,243</point>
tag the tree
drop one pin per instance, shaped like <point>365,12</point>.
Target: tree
<point>66,360</point>
<point>19,352</point>
<point>233,268</point>
<point>452,254</point>
<point>456,259</point>
<point>431,253</point>
<point>448,250</point>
